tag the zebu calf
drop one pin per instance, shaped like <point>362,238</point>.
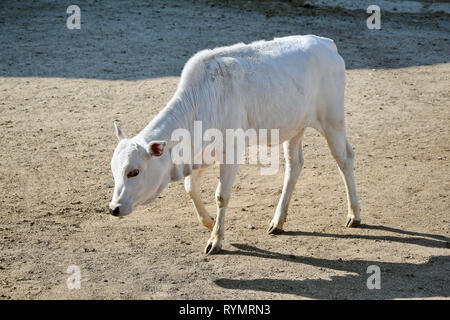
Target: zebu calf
<point>287,84</point>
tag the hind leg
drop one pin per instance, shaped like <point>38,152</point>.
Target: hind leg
<point>343,154</point>
<point>294,162</point>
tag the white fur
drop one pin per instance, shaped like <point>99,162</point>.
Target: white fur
<point>288,84</point>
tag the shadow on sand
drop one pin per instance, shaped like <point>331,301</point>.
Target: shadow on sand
<point>152,39</point>
<point>398,280</point>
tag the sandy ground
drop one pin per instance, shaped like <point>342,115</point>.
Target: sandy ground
<point>61,89</point>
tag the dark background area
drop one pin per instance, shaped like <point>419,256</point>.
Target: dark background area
<point>146,39</point>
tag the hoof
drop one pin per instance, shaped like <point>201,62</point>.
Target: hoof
<point>352,222</point>
<point>213,247</point>
<point>274,230</point>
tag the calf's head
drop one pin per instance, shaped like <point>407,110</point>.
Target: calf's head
<point>140,173</point>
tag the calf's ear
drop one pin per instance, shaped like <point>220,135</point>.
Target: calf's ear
<point>156,148</point>
<point>119,133</point>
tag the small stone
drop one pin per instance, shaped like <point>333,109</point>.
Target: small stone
<point>250,226</point>
<point>108,186</point>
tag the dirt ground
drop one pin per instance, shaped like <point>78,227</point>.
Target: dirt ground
<point>61,89</point>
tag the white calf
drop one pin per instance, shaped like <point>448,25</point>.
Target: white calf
<point>286,84</point>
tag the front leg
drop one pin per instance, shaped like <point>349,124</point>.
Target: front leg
<point>227,174</point>
<point>192,186</point>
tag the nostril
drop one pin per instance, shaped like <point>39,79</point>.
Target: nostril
<point>115,211</point>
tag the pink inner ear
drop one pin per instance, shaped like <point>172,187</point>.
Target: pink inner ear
<point>156,149</point>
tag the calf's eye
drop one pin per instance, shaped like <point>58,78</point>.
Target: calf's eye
<point>133,173</point>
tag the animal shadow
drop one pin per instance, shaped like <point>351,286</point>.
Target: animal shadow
<point>398,280</point>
